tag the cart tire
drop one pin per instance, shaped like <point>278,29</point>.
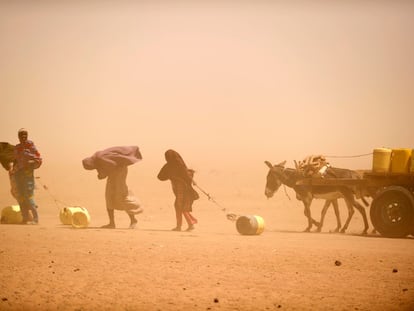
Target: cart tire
<point>392,212</point>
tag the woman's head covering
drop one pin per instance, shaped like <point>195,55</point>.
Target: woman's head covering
<point>176,170</point>
<point>174,158</point>
<point>22,134</point>
<point>175,167</point>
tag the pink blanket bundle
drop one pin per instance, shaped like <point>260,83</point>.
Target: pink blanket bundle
<point>105,161</point>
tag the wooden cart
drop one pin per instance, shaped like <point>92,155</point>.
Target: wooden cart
<point>392,206</point>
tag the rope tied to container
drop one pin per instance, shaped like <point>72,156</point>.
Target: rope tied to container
<point>230,216</point>
<point>46,188</point>
<point>351,156</point>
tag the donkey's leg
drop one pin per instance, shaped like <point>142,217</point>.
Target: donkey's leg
<point>314,222</point>
<point>349,205</point>
<point>307,212</point>
<point>361,209</point>
<point>338,217</point>
<point>323,213</point>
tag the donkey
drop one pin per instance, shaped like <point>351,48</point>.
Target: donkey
<point>279,175</point>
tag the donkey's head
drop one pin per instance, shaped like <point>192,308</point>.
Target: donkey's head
<point>273,181</point>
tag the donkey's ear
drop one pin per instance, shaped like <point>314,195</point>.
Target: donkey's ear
<point>282,164</point>
<point>268,164</point>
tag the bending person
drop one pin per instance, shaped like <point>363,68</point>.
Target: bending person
<point>112,164</point>
<point>181,179</point>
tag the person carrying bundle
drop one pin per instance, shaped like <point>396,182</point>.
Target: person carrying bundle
<point>112,164</point>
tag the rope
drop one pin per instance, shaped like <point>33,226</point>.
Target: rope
<point>284,187</point>
<point>51,195</point>
<point>230,216</point>
<point>352,156</point>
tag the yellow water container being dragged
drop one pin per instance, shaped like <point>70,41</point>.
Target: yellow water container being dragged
<point>381,160</point>
<point>76,216</point>
<point>250,225</point>
<point>11,215</point>
<point>81,218</point>
<point>65,216</point>
<point>400,160</point>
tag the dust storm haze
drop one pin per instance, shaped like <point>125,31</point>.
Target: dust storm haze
<point>227,85</point>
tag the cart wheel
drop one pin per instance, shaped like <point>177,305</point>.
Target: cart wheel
<point>392,212</point>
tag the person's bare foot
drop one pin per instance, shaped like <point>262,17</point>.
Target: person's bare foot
<point>133,224</point>
<point>176,229</point>
<point>190,228</point>
<point>109,226</point>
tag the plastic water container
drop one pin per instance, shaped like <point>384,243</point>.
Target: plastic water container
<point>81,219</point>
<point>65,216</point>
<point>381,160</point>
<point>400,160</point>
<point>76,216</point>
<point>11,215</point>
<point>250,225</point>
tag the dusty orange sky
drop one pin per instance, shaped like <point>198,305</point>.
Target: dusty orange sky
<point>228,86</point>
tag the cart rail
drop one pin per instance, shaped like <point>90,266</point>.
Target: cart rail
<point>368,180</point>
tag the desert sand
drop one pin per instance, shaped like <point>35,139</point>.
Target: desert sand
<point>51,266</point>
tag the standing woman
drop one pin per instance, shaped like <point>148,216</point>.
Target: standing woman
<point>112,164</point>
<point>181,181</point>
<point>27,159</point>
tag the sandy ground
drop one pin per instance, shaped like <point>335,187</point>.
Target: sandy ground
<point>56,267</point>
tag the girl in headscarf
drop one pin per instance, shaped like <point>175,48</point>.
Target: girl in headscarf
<point>112,163</point>
<point>181,179</point>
